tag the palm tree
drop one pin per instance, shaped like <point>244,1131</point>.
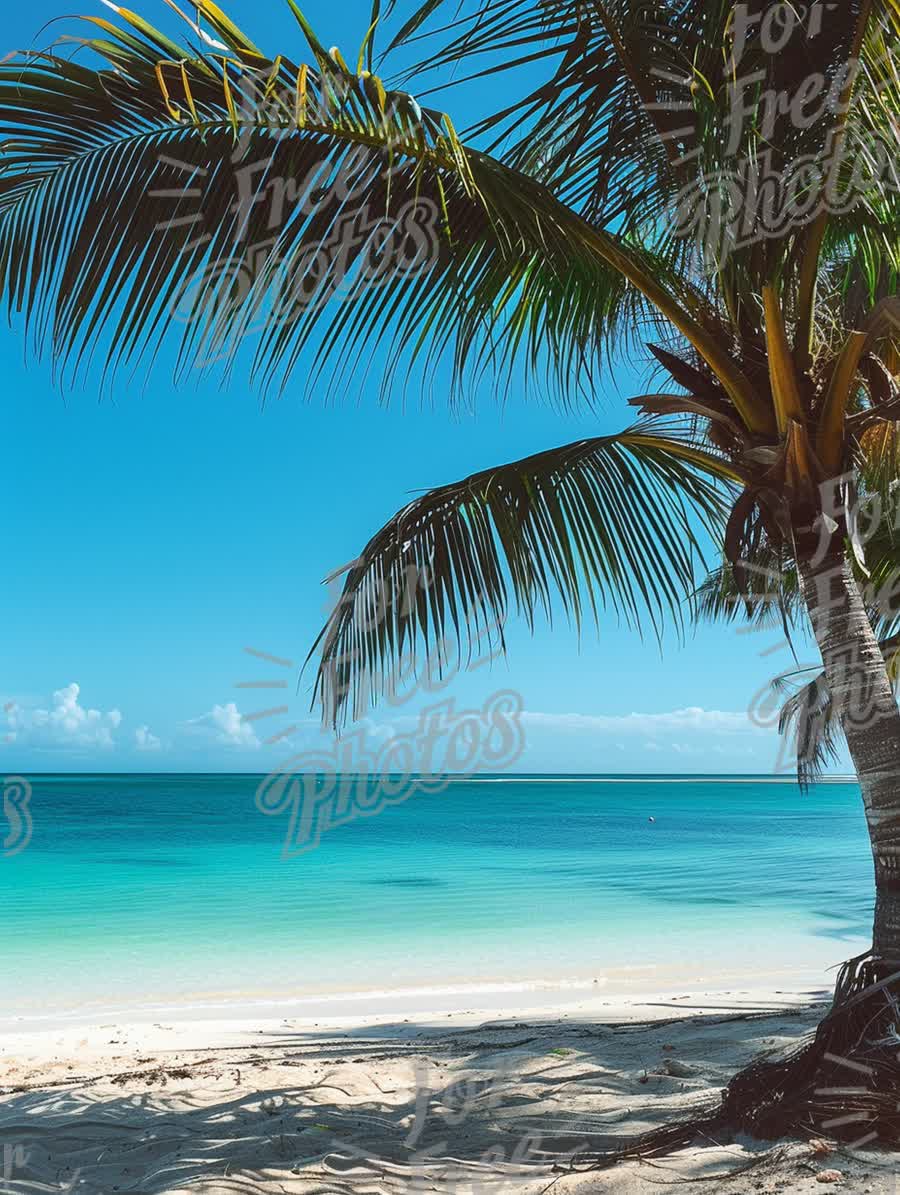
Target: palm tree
<point>150,188</point>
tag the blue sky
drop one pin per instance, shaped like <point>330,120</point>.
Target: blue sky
<point>150,538</point>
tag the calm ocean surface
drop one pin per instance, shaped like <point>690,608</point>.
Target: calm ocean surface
<point>155,890</point>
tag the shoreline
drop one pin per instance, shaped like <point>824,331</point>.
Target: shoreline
<point>196,1031</point>
<point>540,996</point>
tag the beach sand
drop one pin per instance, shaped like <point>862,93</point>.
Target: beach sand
<point>461,1102</point>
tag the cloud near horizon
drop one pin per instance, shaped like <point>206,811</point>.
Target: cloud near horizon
<point>144,740</point>
<point>66,724</point>
<point>225,725</point>
<point>691,718</point>
<point>691,738</point>
<point>553,741</point>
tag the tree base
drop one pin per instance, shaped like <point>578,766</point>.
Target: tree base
<point>843,1084</point>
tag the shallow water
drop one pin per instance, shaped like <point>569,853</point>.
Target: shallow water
<point>147,890</point>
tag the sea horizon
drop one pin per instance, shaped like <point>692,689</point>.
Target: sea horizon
<point>836,778</point>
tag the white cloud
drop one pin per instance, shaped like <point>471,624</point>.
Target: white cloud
<point>691,738</point>
<point>224,724</point>
<point>145,741</point>
<point>66,724</point>
<point>692,718</point>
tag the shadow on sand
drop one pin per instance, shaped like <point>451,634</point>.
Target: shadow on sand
<point>397,1107</point>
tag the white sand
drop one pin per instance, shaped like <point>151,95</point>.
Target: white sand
<point>408,1100</point>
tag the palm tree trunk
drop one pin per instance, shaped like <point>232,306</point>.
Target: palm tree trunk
<point>862,696</point>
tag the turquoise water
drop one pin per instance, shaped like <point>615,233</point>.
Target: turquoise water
<point>148,890</point>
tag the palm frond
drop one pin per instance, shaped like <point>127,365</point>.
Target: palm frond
<point>808,715</point>
<point>223,196</point>
<point>612,522</point>
<point>603,122</point>
<point>644,110</point>
<point>769,595</point>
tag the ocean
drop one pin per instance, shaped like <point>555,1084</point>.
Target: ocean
<point>141,893</point>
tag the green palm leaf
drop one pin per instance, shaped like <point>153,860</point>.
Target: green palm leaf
<point>133,204</point>
<point>615,521</point>
<point>642,110</point>
<point>770,596</point>
<point>809,716</point>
